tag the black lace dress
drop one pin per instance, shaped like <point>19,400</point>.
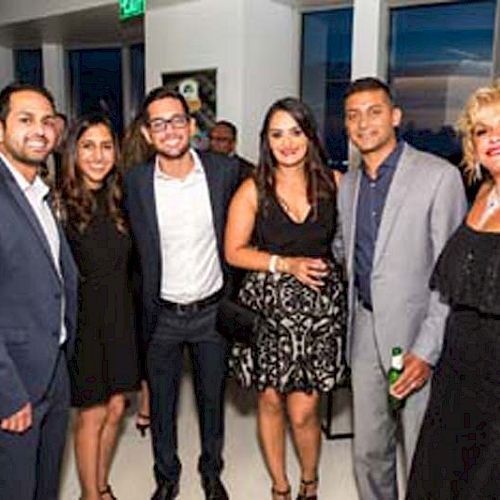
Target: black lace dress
<point>458,452</point>
<point>300,344</point>
<point>105,361</point>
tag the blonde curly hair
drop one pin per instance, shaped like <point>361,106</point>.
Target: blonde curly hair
<point>481,98</point>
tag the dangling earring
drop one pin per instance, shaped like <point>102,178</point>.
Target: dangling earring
<point>477,171</point>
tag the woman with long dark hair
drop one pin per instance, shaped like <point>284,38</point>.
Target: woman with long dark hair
<point>280,228</point>
<point>105,364</point>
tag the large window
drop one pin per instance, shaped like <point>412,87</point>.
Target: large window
<point>136,77</point>
<point>326,72</point>
<point>28,67</point>
<point>96,83</point>
<point>438,55</point>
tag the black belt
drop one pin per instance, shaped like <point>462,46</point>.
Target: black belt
<point>192,307</point>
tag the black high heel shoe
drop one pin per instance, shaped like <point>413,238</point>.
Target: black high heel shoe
<point>142,423</point>
<point>304,485</point>
<point>108,491</point>
<point>284,494</point>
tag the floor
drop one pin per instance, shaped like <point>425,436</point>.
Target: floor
<point>244,475</point>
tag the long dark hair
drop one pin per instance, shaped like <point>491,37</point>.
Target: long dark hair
<point>77,202</point>
<point>318,178</point>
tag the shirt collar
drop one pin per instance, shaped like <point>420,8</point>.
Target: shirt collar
<point>198,167</point>
<point>391,161</point>
<point>38,187</point>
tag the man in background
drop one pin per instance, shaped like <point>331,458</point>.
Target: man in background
<point>223,138</point>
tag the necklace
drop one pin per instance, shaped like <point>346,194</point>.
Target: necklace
<point>290,212</point>
<point>492,205</point>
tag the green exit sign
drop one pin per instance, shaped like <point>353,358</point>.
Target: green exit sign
<point>131,8</point>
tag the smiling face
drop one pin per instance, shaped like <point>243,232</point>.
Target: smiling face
<point>370,120</point>
<point>486,138</point>
<point>169,130</point>
<point>95,155</point>
<point>28,135</point>
<point>287,140</point>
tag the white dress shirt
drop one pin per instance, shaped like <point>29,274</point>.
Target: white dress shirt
<point>36,194</point>
<point>190,267</point>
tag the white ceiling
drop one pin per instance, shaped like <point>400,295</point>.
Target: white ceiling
<point>96,26</point>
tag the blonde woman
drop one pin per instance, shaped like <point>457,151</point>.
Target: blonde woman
<point>459,445</point>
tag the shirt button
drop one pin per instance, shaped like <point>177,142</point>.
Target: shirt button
<point>372,184</point>
<point>374,214</point>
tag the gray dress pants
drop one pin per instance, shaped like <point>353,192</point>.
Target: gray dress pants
<point>374,425</point>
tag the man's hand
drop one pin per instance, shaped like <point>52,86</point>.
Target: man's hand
<point>415,374</point>
<point>20,421</point>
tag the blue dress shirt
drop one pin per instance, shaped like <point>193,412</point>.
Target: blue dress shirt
<point>371,201</point>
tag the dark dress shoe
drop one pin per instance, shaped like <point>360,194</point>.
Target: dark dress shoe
<point>214,489</point>
<point>166,491</point>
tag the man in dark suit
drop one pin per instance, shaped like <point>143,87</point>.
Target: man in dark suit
<point>37,303</point>
<point>177,205</point>
<point>223,138</point>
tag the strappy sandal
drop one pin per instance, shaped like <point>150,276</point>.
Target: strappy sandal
<point>142,423</point>
<point>108,491</point>
<point>285,495</point>
<point>304,485</point>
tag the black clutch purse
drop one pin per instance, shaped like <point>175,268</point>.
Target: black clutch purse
<point>237,323</point>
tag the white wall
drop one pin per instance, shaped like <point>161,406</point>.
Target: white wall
<point>369,38</point>
<point>253,44</point>
<point>22,10</point>
<point>271,62</point>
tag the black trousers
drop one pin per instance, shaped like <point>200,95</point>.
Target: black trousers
<point>164,362</point>
<point>30,462</point>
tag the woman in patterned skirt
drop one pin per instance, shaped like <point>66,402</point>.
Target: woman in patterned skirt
<point>280,228</point>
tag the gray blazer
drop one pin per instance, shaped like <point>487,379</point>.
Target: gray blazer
<point>425,204</point>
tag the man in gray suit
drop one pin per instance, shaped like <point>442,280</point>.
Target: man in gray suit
<point>396,211</point>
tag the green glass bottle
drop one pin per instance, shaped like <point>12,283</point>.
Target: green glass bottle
<point>395,371</point>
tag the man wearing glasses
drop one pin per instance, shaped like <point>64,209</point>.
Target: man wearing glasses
<point>223,138</point>
<point>177,204</point>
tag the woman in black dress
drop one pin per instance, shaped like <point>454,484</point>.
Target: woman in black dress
<point>105,363</point>
<point>280,228</point>
<point>458,452</point>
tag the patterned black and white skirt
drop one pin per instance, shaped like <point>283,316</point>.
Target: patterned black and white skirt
<point>300,344</point>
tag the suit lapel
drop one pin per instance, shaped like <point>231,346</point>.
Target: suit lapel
<point>148,197</point>
<point>214,187</point>
<point>352,211</point>
<point>28,212</point>
<point>395,197</point>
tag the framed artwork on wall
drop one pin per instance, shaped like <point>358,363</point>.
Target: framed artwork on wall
<point>199,88</point>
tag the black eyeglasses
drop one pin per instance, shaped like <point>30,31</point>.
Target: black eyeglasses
<point>161,124</point>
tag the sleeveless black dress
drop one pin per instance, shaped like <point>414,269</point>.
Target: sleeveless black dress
<point>300,345</point>
<point>458,452</point>
<point>105,361</point>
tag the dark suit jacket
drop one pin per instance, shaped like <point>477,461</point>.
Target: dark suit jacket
<point>223,177</point>
<point>247,168</point>
<point>31,292</point>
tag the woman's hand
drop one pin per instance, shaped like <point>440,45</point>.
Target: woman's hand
<point>307,270</point>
